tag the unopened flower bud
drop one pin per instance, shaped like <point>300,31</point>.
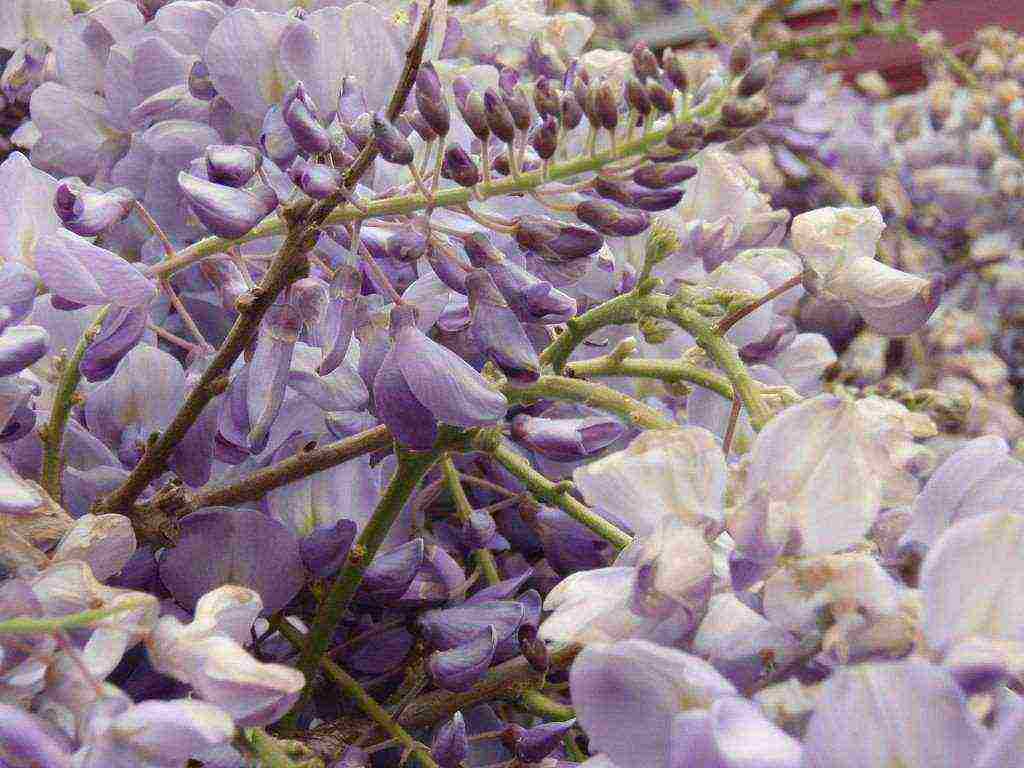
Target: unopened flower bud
<point>390,574</point>
<point>232,164</point>
<point>546,99</point>
<point>645,63</point>
<point>660,97</point>
<point>637,96</point>
<point>572,112</point>
<point>519,107</point>
<point>226,211</point>
<point>744,113</point>
<point>675,71</point>
<point>538,233</point>
<point>450,744</point>
<point>406,245</point>
<point>508,79</point>
<point>545,138</point>
<point>758,76</point>
<point>633,195</point>
<point>612,219</point>
<point>532,745</point>
<point>544,59</point>
<point>360,131</point>
<point>498,331</point>
<point>317,180</point>
<point>566,439</point>
<point>459,668</point>
<point>416,122</point>
<point>459,166</point>
<point>391,144</point>
<point>478,531</point>
<point>741,54</point>
<point>661,176</point>
<point>299,111</point>
<point>499,118</point>
<point>276,139</point>
<point>686,136</point>
<point>430,99</point>
<point>86,211</point>
<point>474,113</point>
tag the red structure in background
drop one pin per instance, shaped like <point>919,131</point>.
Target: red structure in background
<point>900,64</point>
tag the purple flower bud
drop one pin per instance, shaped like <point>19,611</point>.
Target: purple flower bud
<point>662,99</point>
<point>351,101</point>
<point>450,744</point>
<point>566,439</point>
<point>687,136</point>
<point>544,59</point>
<point>661,176</point>
<point>537,233</point>
<point>606,106</point>
<point>309,297</point>
<point>317,180</point>
<point>406,245</point>
<point>499,118</point>
<point>500,163</point>
<point>534,744</point>
<point>226,211</point>
<point>324,550</point>
<point>459,167</point>
<point>430,99</point>
<point>272,360</point>
<point>611,219</point>
<point>519,107</point>
<point>421,383</point>
<point>391,573</point>
<point>460,668</point>
<point>360,131</point>
<point>87,212</point>
<point>744,113</point>
<point>200,84</point>
<point>447,628</point>
<point>498,331</point>
<point>546,98</point>
<point>299,112</point>
<point>545,138</point>
<point>758,76</point>
<point>232,165</point>
<point>21,346</point>
<point>572,112</point>
<point>391,144</point>
<point>508,79</point>
<point>120,331</point>
<point>674,70</point>
<point>635,196</point>
<point>478,530</point>
<point>636,96</point>
<point>645,64</point>
<point>276,139</point>
<point>474,112</point>
<point>449,269</point>
<point>416,122</point>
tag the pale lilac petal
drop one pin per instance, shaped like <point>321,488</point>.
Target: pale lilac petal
<point>27,213</point>
<point>892,302</point>
<point>907,713</point>
<point>75,269</point>
<point>972,581</point>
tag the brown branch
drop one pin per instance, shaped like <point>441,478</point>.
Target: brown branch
<point>304,220</point>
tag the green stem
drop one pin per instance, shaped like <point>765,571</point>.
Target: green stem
<point>351,687</point>
<point>621,310</point>
<point>266,749</point>
<point>545,490</point>
<point>23,625</point>
<point>445,198</point>
<point>53,433</point>
<point>464,509</point>
<point>589,393</point>
<point>841,33</point>
<point>670,371</point>
<point>536,703</point>
<point>409,471</point>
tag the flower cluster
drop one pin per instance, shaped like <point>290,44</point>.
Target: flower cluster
<point>423,354</point>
